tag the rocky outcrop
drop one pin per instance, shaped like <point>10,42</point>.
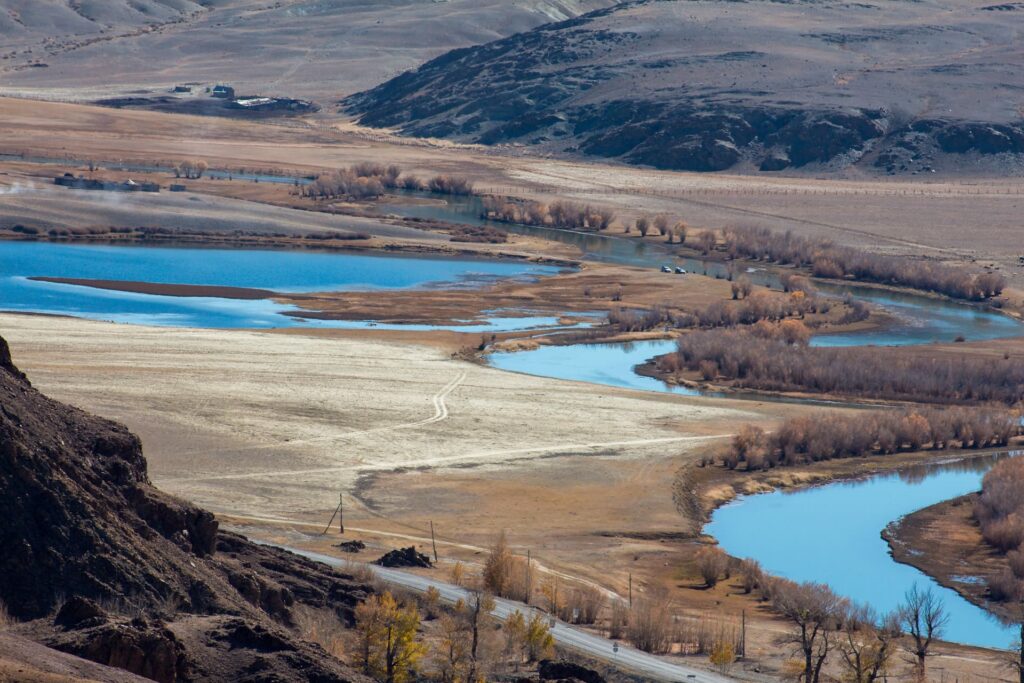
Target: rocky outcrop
<point>137,579</point>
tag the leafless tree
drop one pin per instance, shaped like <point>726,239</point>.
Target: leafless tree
<point>751,575</point>
<point>816,614</point>
<point>661,224</point>
<point>707,241</point>
<point>923,616</point>
<point>679,231</point>
<point>650,624</point>
<point>619,620</point>
<point>866,644</point>
<point>771,364</point>
<point>712,563</point>
<point>826,259</point>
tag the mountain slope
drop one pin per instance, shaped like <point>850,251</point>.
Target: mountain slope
<point>137,579</point>
<point>316,49</point>
<point>711,84</point>
<point>39,19</point>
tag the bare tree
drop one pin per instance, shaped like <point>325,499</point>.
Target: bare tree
<point>619,621</point>
<point>643,226</point>
<point>661,224</point>
<point>712,563</point>
<point>1008,589</point>
<point>923,616</point>
<point>867,644</point>
<point>816,614</point>
<point>746,287</point>
<point>498,567</point>
<point>477,614</point>
<point>650,624</point>
<point>679,231</point>
<point>751,574</point>
<point>707,241</point>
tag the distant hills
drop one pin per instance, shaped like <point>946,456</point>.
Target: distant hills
<point>314,49</point>
<point>898,86</point>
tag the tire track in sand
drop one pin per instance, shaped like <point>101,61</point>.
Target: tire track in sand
<point>440,414</point>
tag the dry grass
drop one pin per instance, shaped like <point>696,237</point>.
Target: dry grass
<point>6,620</point>
<point>322,628</point>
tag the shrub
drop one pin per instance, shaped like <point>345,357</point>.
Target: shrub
<point>834,435</point>
<point>449,184</point>
<point>825,259</point>
<point>712,563</point>
<point>999,509</point>
<point>560,214</point>
<point>650,625</point>
<point>774,358</point>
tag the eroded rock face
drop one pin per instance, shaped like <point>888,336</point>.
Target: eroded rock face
<point>137,579</point>
<point>148,649</point>
<point>710,86</point>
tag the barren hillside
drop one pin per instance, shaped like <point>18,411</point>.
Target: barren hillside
<point>101,565</point>
<point>706,85</point>
<point>316,49</point>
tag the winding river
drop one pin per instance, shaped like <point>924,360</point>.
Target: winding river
<point>828,533</point>
<point>831,534</point>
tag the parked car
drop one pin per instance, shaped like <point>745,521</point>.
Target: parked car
<point>680,270</point>
<point>666,269</point>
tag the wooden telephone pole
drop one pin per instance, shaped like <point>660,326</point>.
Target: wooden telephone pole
<point>339,512</point>
<point>529,576</point>
<point>432,541</point>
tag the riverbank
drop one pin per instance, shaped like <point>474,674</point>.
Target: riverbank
<point>945,542</point>
<point>707,488</point>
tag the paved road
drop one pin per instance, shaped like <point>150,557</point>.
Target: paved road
<point>566,635</point>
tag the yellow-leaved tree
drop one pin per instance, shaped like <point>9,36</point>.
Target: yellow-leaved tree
<point>388,650</point>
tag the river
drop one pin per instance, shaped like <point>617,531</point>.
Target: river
<point>277,270</point>
<point>829,533</point>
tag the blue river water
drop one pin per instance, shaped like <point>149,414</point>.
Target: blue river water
<point>832,534</point>
<point>281,271</point>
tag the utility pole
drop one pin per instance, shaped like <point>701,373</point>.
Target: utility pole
<point>339,512</point>
<point>432,541</point>
<point>743,634</point>
<point>631,590</point>
<point>529,576</point>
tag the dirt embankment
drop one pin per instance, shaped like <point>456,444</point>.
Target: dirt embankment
<point>945,542</point>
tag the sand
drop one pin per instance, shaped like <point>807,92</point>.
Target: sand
<point>277,424</point>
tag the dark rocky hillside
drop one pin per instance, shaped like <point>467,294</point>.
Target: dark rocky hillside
<point>99,564</point>
<point>899,86</point>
